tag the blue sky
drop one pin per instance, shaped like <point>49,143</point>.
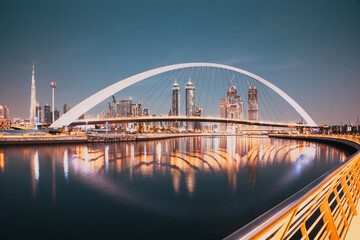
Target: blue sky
<point>310,49</point>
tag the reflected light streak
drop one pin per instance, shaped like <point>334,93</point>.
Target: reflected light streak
<point>86,160</point>
<point>107,158</point>
<point>145,153</point>
<point>66,164</point>
<point>2,162</point>
<point>36,166</point>
<point>158,150</point>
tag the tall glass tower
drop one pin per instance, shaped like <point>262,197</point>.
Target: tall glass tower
<point>190,98</point>
<point>190,103</point>
<point>175,108</point>
<point>33,98</point>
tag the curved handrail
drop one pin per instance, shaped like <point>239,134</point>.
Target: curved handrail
<point>279,221</point>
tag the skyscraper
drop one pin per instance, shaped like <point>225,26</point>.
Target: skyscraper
<point>175,107</point>
<point>33,98</point>
<point>66,108</point>
<point>39,113</point>
<point>123,108</point>
<point>6,112</point>
<point>190,102</point>
<point>56,114</point>
<point>198,113</point>
<point>231,106</point>
<point>137,109</point>
<point>253,106</point>
<point>47,114</point>
<point>1,111</point>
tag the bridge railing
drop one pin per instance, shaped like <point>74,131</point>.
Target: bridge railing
<point>322,210</point>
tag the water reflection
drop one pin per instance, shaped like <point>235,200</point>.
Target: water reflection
<point>212,180</point>
<point>2,161</point>
<point>66,165</point>
<point>185,160</point>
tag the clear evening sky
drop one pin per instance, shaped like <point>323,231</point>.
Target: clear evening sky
<point>310,49</point>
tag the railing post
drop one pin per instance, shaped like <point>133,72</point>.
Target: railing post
<point>324,207</point>
<point>285,227</point>
<point>348,195</point>
<point>341,209</point>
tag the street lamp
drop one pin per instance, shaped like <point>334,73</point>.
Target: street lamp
<point>53,86</point>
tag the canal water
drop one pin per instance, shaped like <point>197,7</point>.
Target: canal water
<point>185,188</point>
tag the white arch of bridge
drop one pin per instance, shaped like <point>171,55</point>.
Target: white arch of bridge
<point>100,96</point>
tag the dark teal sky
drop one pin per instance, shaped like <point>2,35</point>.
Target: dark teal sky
<point>310,49</point>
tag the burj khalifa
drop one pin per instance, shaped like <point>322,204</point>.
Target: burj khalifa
<point>33,98</point>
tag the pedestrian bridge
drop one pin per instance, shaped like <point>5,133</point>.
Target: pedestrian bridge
<point>209,78</point>
<point>325,209</point>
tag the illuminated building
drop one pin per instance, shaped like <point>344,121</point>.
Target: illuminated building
<point>175,107</point>
<point>33,98</point>
<point>190,103</point>
<point>198,113</point>
<point>231,107</point>
<point>47,113</point>
<point>123,108</point>
<point>39,114</point>
<point>253,106</point>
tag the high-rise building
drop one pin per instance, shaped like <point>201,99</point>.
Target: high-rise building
<point>253,106</point>
<point>6,112</point>
<point>39,113</point>
<point>56,114</point>
<point>33,98</point>
<point>146,112</point>
<point>47,114</point>
<point>198,113</point>
<point>137,109</point>
<point>66,108</point>
<point>123,108</point>
<point>175,107</point>
<point>231,106</point>
<point>190,103</point>
<point>1,111</point>
<point>111,112</point>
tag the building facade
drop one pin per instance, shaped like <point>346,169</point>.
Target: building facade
<point>1,111</point>
<point>136,109</point>
<point>56,114</point>
<point>231,107</point>
<point>6,112</point>
<point>47,114</point>
<point>146,112</point>
<point>175,107</point>
<point>123,108</point>
<point>190,103</point>
<point>39,114</point>
<point>253,105</point>
<point>198,113</point>
<point>66,108</point>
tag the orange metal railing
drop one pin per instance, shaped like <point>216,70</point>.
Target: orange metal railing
<point>322,210</point>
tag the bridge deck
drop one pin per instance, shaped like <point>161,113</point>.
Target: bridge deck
<point>354,229</point>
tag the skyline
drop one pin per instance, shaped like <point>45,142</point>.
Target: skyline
<point>309,50</point>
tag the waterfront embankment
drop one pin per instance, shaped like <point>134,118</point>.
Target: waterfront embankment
<point>94,137</point>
